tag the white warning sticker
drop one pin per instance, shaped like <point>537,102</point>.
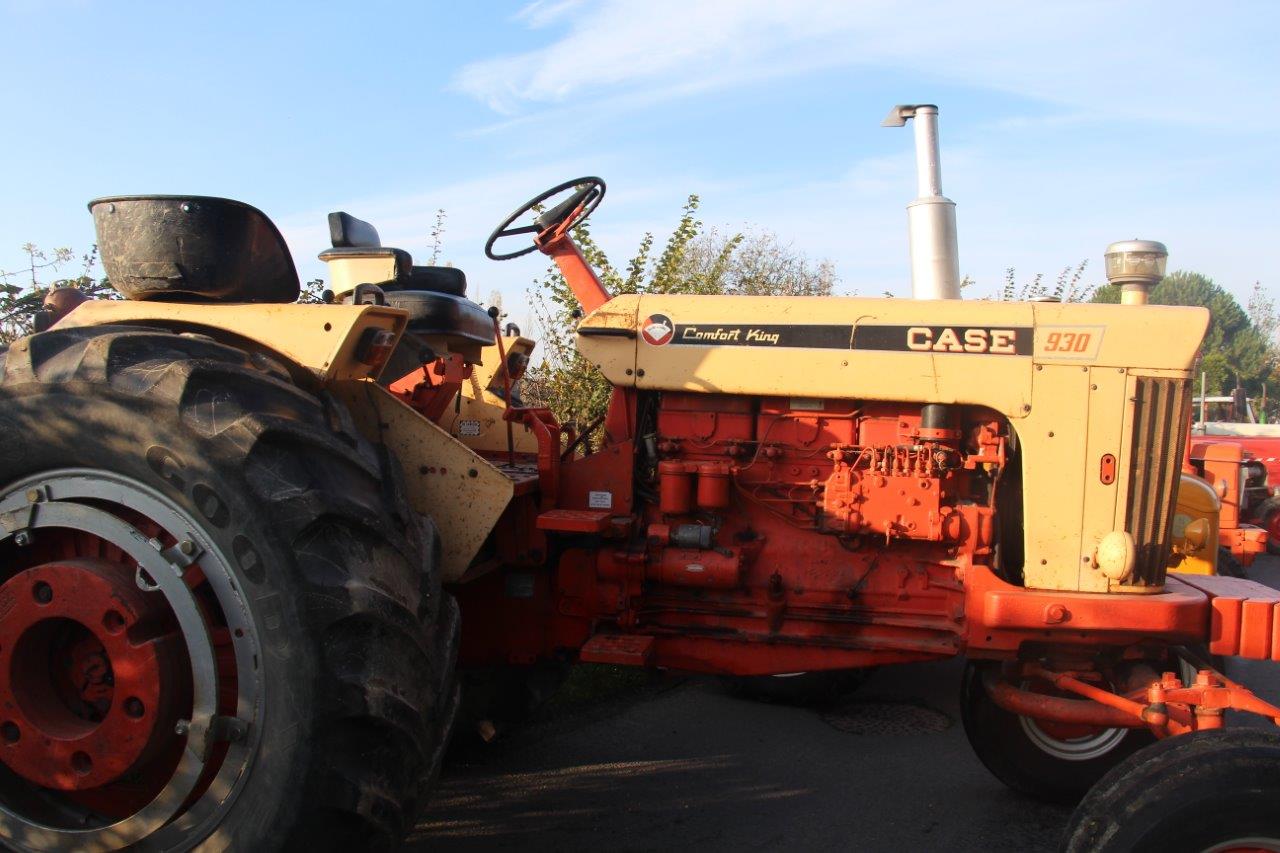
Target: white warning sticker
<point>600,500</point>
<point>468,427</point>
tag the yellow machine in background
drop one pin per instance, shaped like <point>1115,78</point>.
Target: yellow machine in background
<point>1209,536</point>
<point>1195,528</point>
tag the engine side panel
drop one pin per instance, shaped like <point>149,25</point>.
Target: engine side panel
<point>1072,380</point>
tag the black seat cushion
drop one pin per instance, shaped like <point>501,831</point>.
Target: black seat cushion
<point>345,231</point>
<point>435,313</point>
<point>450,280</point>
<point>356,238</point>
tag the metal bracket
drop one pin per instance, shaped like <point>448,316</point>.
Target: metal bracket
<point>227,729</point>
<point>18,523</point>
<point>144,581</point>
<point>221,729</point>
<point>182,554</point>
<point>898,115</point>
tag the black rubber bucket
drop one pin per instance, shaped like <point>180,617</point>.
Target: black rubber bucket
<point>192,247</point>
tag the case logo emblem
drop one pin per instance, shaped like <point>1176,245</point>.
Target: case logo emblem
<point>657,330</point>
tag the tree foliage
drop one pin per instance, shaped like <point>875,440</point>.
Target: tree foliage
<point>692,260</point>
<point>1069,286</point>
<point>22,291</point>
<point>1238,350</point>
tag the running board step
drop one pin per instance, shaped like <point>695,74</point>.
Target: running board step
<point>620,649</point>
<point>574,520</point>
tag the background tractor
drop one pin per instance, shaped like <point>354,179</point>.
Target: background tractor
<point>1220,487</point>
<point>1234,420</point>
<point>246,539</point>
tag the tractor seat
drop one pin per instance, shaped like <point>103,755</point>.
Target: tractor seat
<point>356,240</point>
<point>434,297</point>
<point>436,314</point>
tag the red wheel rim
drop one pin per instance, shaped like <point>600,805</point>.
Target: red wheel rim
<point>85,694</point>
<point>123,712</point>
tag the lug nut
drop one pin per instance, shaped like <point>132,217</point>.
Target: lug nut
<point>43,592</point>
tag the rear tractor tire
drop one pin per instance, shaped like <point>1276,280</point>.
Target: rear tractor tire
<point>1211,790</point>
<point>1051,762</point>
<point>220,621</point>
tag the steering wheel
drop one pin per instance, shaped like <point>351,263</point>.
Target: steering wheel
<point>588,192</point>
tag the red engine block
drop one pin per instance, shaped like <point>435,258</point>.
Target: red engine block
<point>768,535</point>
<point>832,467</point>
<point>808,522</point>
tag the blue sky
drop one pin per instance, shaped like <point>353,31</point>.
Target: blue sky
<point>1064,125</point>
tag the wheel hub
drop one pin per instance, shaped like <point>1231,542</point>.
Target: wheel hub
<point>1068,741</point>
<point>88,670</point>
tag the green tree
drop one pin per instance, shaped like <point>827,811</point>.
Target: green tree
<point>693,260</point>
<point>1068,287</point>
<point>1234,352</point>
<point>22,291</point>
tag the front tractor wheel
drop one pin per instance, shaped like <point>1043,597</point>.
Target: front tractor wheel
<point>1055,762</point>
<point>1211,790</point>
<point>219,620</point>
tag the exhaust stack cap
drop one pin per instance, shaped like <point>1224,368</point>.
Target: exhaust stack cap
<point>931,218</point>
<point>1136,266</point>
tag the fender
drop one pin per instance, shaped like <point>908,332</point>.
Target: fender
<point>320,339</point>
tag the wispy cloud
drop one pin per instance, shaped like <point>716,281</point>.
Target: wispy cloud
<point>540,13</point>
<point>1035,191</point>
<point>1055,120</point>
<point>1144,60</point>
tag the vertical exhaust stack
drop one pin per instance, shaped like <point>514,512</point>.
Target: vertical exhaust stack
<point>931,218</point>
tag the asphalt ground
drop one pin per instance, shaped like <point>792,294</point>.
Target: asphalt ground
<point>680,763</point>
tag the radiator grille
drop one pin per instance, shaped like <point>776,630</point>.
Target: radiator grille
<point>1155,462</point>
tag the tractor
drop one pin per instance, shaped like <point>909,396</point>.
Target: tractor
<point>252,547</point>
<point>1220,485</point>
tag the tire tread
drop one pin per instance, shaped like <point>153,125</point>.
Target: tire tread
<point>385,631</point>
